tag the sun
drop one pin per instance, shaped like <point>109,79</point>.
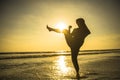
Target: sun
<point>61,26</point>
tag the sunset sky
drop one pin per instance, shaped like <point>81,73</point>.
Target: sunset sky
<point>23,23</point>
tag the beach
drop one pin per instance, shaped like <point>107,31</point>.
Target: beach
<point>94,65</point>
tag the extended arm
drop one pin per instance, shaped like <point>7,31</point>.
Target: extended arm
<point>69,28</point>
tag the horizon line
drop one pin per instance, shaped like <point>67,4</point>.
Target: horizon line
<point>60,51</point>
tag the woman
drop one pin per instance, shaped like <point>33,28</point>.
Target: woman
<point>74,40</point>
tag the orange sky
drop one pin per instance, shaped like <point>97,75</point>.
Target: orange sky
<point>23,24</point>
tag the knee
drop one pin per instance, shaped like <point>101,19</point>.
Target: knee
<point>74,55</point>
<point>74,58</point>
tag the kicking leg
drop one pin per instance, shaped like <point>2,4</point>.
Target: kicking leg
<point>52,29</point>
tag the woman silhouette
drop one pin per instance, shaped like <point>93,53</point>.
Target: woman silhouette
<point>74,40</point>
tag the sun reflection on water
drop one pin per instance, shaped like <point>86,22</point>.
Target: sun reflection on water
<point>62,65</point>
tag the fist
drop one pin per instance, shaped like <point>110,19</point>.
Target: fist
<point>70,26</point>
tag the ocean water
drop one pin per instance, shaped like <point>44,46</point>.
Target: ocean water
<point>94,65</point>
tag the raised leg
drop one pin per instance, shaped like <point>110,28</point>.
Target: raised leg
<point>53,29</point>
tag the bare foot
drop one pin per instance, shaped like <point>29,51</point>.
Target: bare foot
<point>78,75</point>
<point>49,28</point>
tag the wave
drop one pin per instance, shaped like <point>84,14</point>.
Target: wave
<point>20,55</point>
